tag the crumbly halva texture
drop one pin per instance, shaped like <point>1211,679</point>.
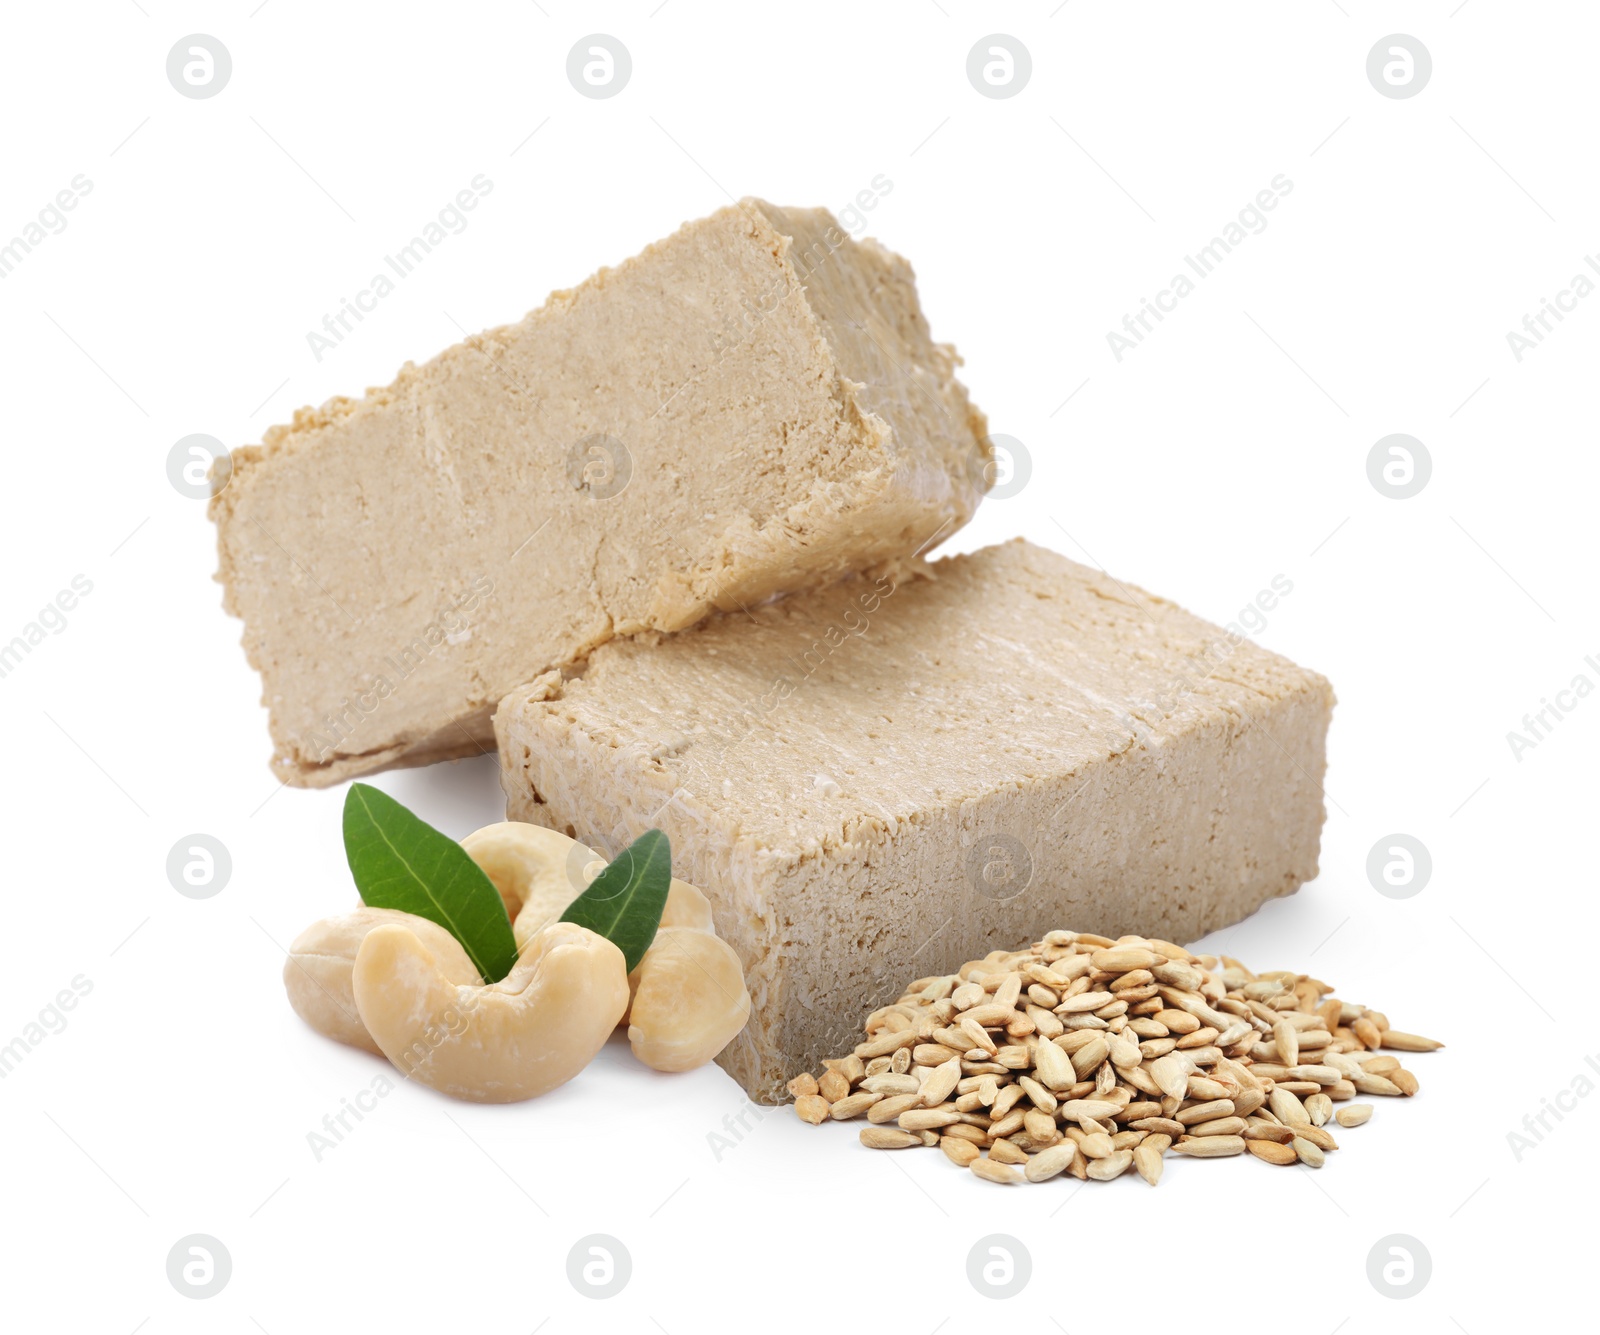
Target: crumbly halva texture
<point>751,406</point>
<point>904,772</point>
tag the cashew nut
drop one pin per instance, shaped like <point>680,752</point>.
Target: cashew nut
<point>539,871</point>
<point>535,1029</point>
<point>687,907</point>
<point>689,1000</point>
<point>317,972</point>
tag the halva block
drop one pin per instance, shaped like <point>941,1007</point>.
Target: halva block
<point>893,775</point>
<point>751,406</point>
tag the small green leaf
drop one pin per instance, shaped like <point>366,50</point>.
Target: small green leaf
<point>399,861</point>
<point>624,902</point>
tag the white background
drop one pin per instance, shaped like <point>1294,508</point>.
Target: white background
<point>1229,448</point>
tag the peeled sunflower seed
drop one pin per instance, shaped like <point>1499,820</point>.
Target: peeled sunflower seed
<point>852,1105</point>
<point>811,1108</point>
<point>888,1138</point>
<point>991,1170</point>
<point>1307,1153</point>
<point>886,1110</point>
<point>1211,1147</point>
<point>1113,1165</point>
<point>1147,1159</point>
<point>1143,1049</point>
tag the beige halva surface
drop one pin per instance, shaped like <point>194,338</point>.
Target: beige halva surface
<point>876,781</point>
<point>403,560</point>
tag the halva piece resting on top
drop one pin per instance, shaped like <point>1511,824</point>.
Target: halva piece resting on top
<point>751,406</point>
<point>880,777</point>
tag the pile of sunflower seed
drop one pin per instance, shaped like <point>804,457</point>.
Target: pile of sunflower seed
<point>1088,1056</point>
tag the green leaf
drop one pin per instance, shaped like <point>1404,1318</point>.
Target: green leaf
<point>399,861</point>
<point>624,902</point>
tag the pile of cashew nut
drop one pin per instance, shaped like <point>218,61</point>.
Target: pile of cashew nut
<point>400,985</point>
